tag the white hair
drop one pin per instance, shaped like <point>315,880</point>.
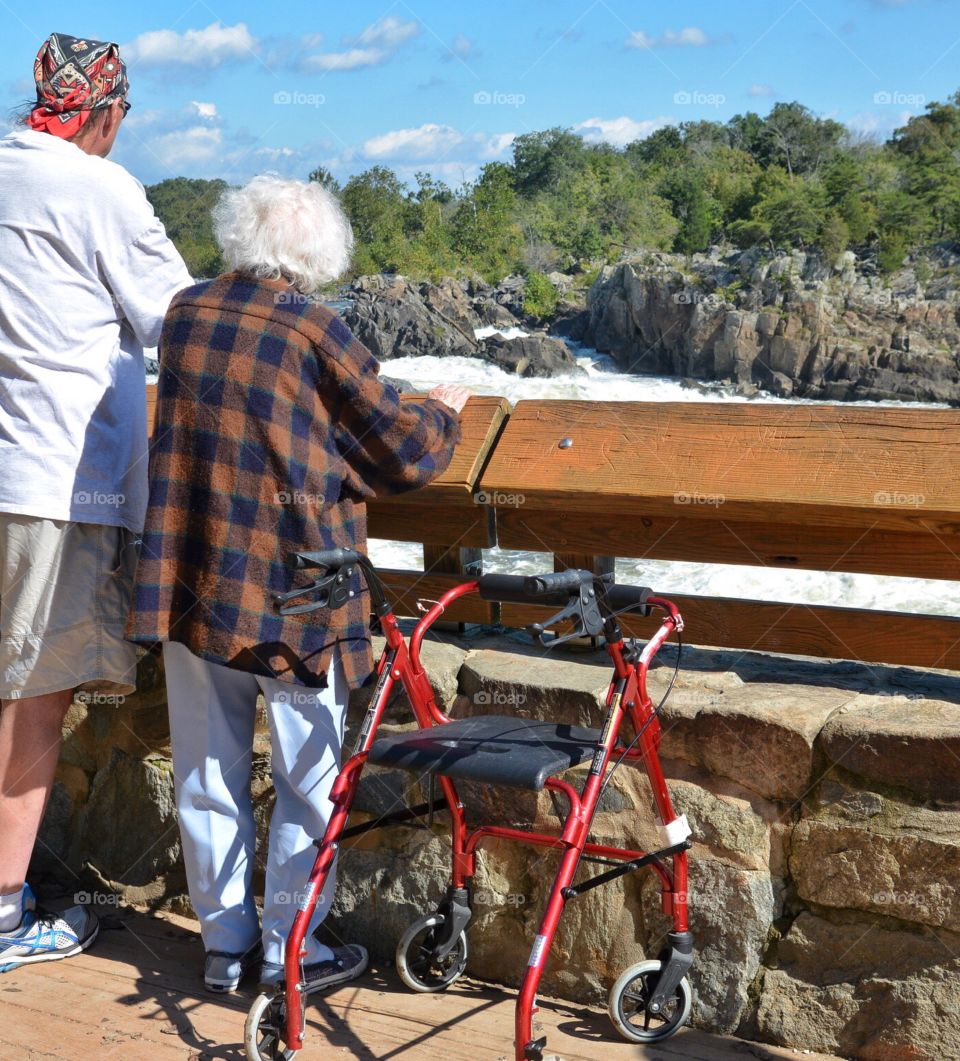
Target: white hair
<point>284,229</point>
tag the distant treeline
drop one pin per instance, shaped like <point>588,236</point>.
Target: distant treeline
<point>786,180</point>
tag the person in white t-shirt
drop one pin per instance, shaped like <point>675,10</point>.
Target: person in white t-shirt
<point>86,275</point>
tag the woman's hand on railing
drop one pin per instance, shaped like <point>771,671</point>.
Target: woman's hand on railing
<point>451,394</point>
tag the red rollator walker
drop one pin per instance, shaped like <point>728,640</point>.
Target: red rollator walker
<point>650,1000</point>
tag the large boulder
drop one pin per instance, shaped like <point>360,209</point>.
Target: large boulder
<point>393,317</point>
<point>529,355</point>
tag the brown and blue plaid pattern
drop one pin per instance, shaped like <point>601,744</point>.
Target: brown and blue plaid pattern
<point>272,430</point>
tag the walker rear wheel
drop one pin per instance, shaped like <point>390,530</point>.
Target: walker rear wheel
<point>627,1004</point>
<point>264,1026</point>
<point>417,962</point>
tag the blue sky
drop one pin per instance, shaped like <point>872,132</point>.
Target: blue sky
<point>232,89</point>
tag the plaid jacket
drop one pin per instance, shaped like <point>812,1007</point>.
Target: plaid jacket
<point>272,429</point>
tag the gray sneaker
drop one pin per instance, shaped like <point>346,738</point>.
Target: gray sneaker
<point>347,964</point>
<point>222,972</point>
<point>47,937</point>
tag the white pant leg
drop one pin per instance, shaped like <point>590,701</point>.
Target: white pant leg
<point>212,720</point>
<point>306,729</point>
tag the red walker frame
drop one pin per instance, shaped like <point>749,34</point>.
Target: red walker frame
<point>626,696</point>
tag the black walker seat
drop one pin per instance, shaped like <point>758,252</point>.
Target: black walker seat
<point>495,749</point>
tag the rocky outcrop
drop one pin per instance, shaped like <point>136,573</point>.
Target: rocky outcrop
<point>394,317</point>
<point>786,323</point>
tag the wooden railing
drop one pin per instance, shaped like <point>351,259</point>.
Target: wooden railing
<point>824,488</point>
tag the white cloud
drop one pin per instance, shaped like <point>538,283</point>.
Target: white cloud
<point>760,91</point>
<point>194,47</point>
<point>275,152</point>
<point>498,143</point>
<point>354,59</point>
<point>388,32</point>
<point>461,47</point>
<point>441,148</point>
<point>878,124</point>
<point>689,37</point>
<point>204,110</point>
<point>375,45</point>
<point>423,142</point>
<point>187,147</point>
<point>619,131</point>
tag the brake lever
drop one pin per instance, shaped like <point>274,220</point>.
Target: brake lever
<point>585,612</point>
<point>338,595</point>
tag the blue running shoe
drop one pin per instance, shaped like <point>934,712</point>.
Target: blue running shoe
<point>47,937</point>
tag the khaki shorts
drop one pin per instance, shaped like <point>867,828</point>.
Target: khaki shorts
<point>65,590</point>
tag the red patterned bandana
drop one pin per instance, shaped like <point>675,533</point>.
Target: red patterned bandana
<point>73,78</point>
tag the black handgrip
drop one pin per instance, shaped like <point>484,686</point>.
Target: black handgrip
<point>557,582</point>
<point>516,589</point>
<point>511,589</point>
<point>324,558</point>
<point>622,598</point>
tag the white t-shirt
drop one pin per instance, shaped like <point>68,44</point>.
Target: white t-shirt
<point>86,275</point>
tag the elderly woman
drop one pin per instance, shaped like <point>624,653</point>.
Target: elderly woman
<point>272,431</point>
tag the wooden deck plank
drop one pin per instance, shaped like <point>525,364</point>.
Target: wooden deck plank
<point>137,996</point>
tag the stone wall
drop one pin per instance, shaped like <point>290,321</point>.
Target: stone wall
<point>824,800</point>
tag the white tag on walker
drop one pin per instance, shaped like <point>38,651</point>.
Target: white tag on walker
<point>675,832</point>
<point>536,955</point>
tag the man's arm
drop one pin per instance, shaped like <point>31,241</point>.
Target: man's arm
<point>143,276</point>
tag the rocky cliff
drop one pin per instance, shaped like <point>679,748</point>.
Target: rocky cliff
<point>786,323</point>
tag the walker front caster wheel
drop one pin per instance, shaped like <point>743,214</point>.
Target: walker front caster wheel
<point>418,963</point>
<point>261,1033</point>
<point>627,1005</point>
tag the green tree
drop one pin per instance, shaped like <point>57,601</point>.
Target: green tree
<point>793,137</point>
<point>184,206</point>
<point>485,231</point>
<point>374,202</point>
<point>696,212</point>
<point>544,161</point>
<point>323,176</point>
